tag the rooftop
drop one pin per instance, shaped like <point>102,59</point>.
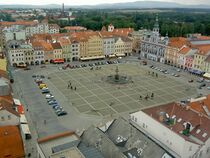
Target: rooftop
<point>175,117</point>
<point>177,42</point>
<point>56,45</point>
<point>11,142</point>
<point>184,50</point>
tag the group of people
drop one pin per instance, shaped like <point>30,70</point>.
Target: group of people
<point>97,68</point>
<point>70,86</point>
<point>153,74</point>
<point>147,97</point>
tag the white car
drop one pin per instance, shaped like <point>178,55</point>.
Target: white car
<point>208,88</point>
<point>49,96</point>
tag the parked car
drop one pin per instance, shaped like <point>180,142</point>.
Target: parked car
<point>61,113</point>
<point>45,91</point>
<point>49,96</point>
<point>51,99</point>
<point>208,88</point>
<point>33,76</point>
<point>176,75</point>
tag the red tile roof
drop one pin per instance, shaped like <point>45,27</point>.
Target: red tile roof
<point>27,23</point>
<point>75,28</point>
<point>187,115</point>
<point>56,45</point>
<point>184,50</point>
<point>177,42</point>
<point>202,49</point>
<point>122,31</point>
<point>199,105</point>
<point>11,142</point>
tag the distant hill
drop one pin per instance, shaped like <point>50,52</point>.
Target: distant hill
<point>127,5</point>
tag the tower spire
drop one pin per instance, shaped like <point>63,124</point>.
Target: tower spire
<point>156,26</point>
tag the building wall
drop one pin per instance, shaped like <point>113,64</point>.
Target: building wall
<point>108,46</point>
<point>95,44</point>
<point>188,62</point>
<point>38,56</point>
<point>8,118</point>
<point>57,54</point>
<point>75,49</point>
<point>171,55</point>
<point>204,152</point>
<point>198,62</point>
<point>16,56</point>
<point>29,56</point>
<point>48,55</point>
<point>119,47</point>
<point>165,136</point>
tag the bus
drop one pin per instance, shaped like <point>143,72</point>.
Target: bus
<point>58,61</point>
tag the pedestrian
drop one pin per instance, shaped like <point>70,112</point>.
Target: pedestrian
<point>27,109</point>
<point>71,87</point>
<point>156,75</point>
<point>68,86</point>
<point>140,97</point>
<point>152,95</point>
<point>75,88</point>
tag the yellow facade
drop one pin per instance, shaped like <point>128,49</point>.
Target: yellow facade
<point>198,62</point>
<point>3,64</point>
<point>119,47</point>
<point>171,55</point>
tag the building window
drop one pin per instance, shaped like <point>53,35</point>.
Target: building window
<point>2,118</point>
<point>9,117</point>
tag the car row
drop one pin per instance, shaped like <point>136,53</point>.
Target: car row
<point>49,97</point>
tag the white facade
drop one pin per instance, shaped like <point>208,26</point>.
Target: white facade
<point>7,118</point>
<point>168,139</point>
<point>153,46</point>
<point>14,35</point>
<point>37,29</point>
<point>38,56</point>
<point>108,46</point>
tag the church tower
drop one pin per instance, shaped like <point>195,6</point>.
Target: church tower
<point>156,26</point>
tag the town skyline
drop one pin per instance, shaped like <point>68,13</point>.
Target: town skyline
<point>98,2</point>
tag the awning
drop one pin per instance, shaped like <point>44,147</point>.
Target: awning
<point>207,75</point>
<point>112,55</point>
<point>94,57</point>
<point>16,101</point>
<point>120,55</point>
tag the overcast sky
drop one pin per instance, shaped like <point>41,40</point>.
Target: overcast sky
<point>92,2</point>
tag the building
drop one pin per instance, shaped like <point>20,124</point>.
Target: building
<point>66,144</point>
<point>13,34</point>
<point>108,43</point>
<point>9,117</point>
<point>181,57</point>
<point>201,105</point>
<point>72,29</point>
<point>189,59</point>
<point>75,49</point>
<point>200,57</point>
<point>153,46</point>
<point>37,28</point>
<point>174,46</point>
<point>181,131</point>
<point>53,28</point>
<point>66,48</point>
<point>48,51</point>
<point>137,37</point>
<point>91,45</point>
<point>57,50</point>
<point>38,53</point>
<point>11,142</point>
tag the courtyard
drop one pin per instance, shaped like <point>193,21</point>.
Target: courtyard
<point>94,96</point>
